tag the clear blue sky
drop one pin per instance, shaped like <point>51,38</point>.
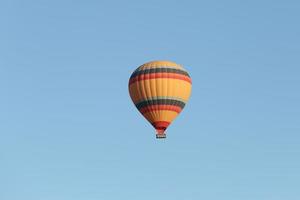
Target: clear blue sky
<point>68,130</point>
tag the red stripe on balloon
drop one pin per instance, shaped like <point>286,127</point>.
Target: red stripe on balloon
<point>160,124</point>
<point>147,109</point>
<point>160,75</point>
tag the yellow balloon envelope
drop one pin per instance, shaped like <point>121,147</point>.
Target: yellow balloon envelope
<point>160,90</point>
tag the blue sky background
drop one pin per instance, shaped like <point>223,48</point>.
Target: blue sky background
<point>68,130</point>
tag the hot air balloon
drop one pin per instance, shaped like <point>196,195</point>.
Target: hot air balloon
<point>160,90</point>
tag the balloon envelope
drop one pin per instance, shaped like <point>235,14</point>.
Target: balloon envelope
<point>160,90</point>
